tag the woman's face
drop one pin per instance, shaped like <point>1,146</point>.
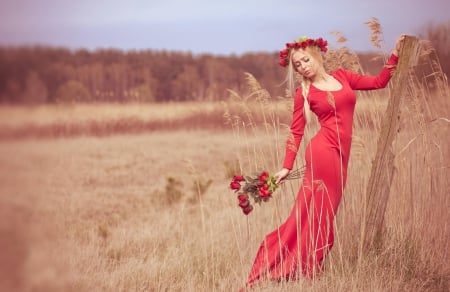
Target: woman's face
<point>305,64</point>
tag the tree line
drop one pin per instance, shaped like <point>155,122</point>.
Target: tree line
<point>45,74</point>
<point>49,75</point>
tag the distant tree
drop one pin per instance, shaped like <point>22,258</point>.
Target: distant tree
<point>35,91</point>
<point>12,91</point>
<point>141,93</point>
<point>220,76</point>
<point>72,91</point>
<point>186,85</point>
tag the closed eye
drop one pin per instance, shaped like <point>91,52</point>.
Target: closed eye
<point>298,63</point>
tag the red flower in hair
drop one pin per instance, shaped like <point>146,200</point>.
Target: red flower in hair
<point>284,53</point>
<point>301,43</point>
<point>283,63</point>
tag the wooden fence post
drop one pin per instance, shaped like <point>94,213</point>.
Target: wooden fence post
<point>382,172</point>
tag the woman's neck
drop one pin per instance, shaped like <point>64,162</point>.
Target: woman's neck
<point>320,77</point>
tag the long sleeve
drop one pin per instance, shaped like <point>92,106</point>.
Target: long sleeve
<point>366,82</point>
<point>297,130</point>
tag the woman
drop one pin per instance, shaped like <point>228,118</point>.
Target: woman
<point>299,245</point>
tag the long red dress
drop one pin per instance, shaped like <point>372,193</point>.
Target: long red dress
<point>299,245</point>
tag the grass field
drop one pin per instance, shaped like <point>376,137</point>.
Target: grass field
<point>105,208</point>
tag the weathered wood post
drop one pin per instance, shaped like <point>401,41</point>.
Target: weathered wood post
<point>382,172</point>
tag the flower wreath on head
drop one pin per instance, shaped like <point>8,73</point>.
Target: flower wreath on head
<point>302,43</point>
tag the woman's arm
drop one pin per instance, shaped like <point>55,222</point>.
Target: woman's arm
<point>365,82</point>
<point>297,130</point>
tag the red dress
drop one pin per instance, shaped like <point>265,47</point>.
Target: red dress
<point>299,245</point>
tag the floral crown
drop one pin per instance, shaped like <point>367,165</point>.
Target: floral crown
<point>302,43</point>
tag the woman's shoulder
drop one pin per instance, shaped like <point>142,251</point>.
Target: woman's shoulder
<point>342,73</point>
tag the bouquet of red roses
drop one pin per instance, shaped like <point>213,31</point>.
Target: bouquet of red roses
<point>259,186</point>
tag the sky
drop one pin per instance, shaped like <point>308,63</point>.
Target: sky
<point>209,26</point>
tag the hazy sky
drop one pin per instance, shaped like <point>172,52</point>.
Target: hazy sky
<point>208,26</point>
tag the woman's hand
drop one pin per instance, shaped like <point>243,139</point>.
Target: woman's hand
<point>282,174</point>
<point>398,45</point>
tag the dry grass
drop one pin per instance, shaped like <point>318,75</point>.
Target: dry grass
<point>89,214</point>
<point>15,116</point>
<point>49,121</point>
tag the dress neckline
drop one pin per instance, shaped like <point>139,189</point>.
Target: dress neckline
<point>337,90</point>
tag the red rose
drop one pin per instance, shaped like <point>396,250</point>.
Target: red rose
<point>238,178</point>
<point>247,210</point>
<point>284,53</point>
<point>244,204</point>
<point>235,185</point>
<point>263,176</point>
<point>264,193</point>
<point>242,197</point>
<point>283,62</point>
<point>265,187</point>
<point>322,44</point>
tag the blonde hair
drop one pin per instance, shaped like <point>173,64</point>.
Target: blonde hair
<point>305,83</point>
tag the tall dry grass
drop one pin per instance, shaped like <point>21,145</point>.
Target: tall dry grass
<point>153,212</point>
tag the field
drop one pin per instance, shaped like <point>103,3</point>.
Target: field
<point>135,197</point>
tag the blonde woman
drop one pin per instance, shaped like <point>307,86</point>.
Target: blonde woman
<point>297,247</point>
